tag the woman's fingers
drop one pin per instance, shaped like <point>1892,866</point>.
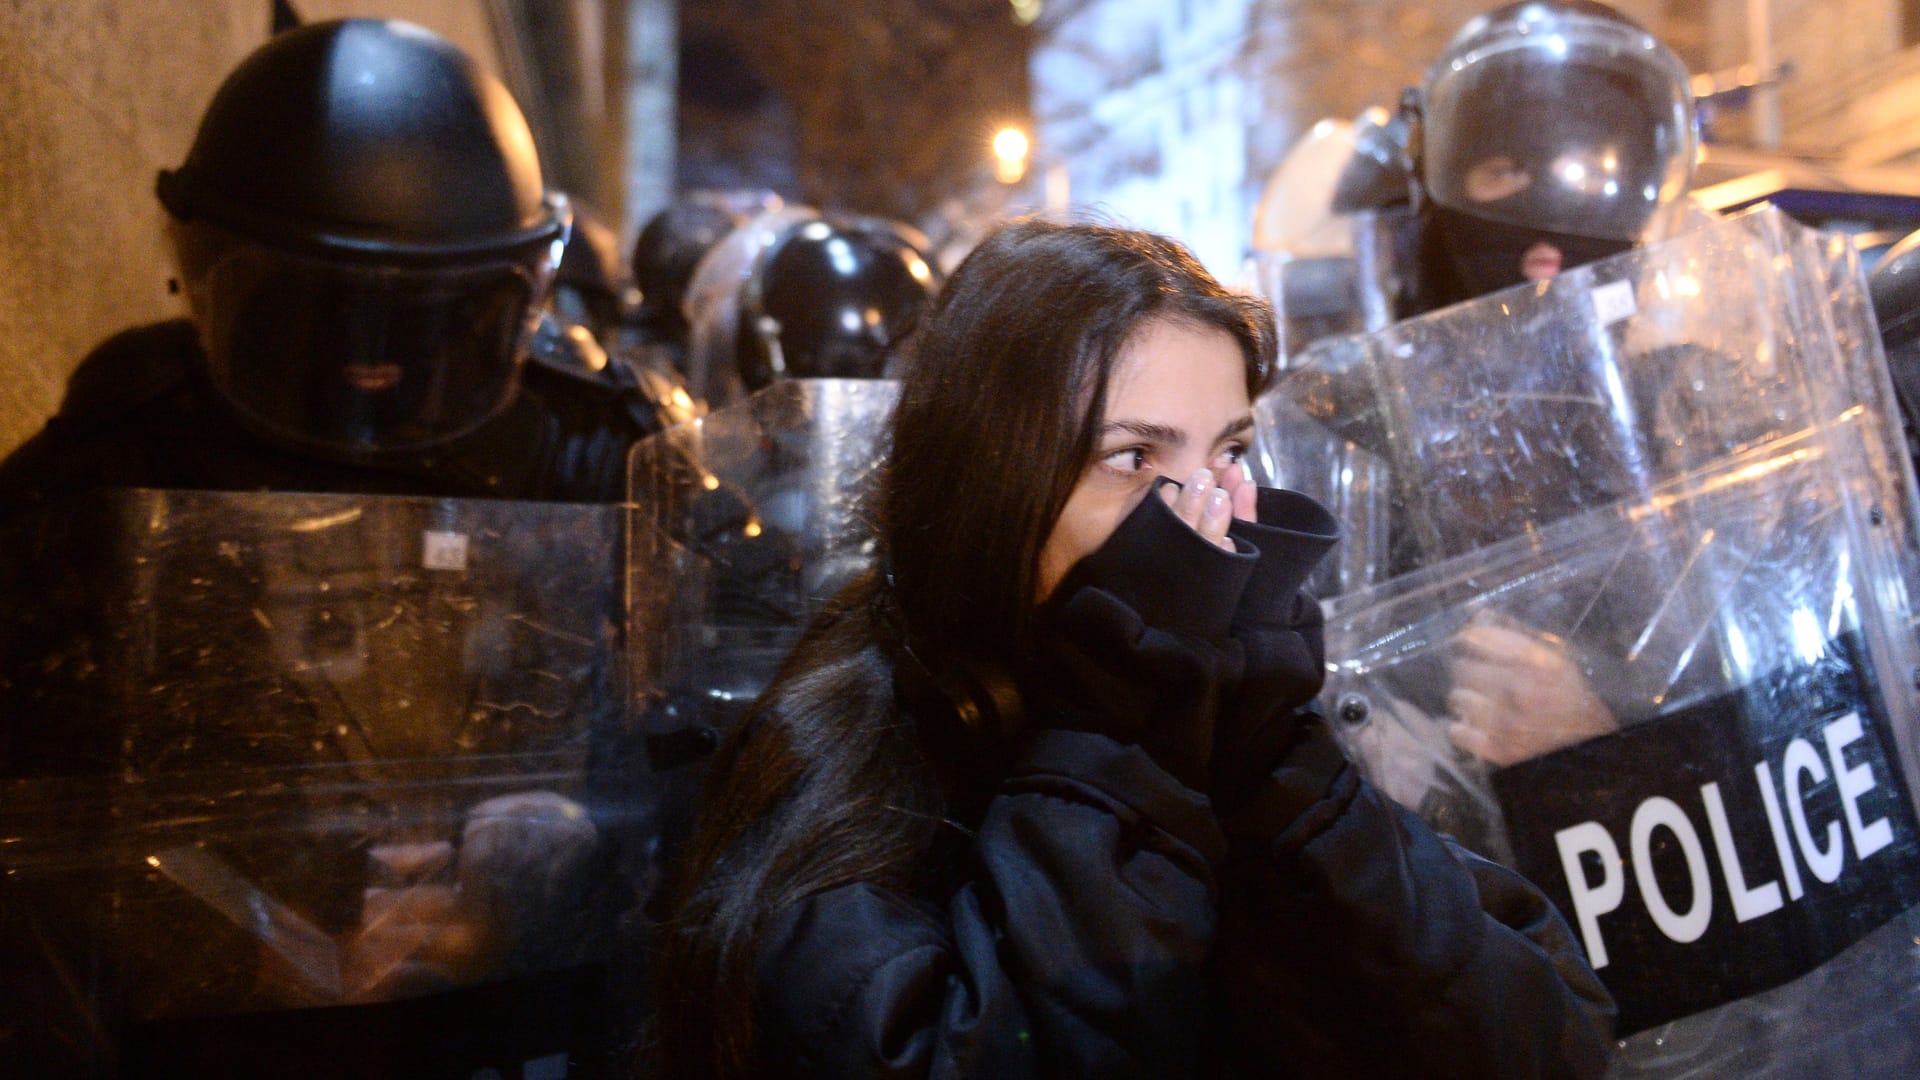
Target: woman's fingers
<point>1245,498</point>
<point>1215,516</point>
<point>1193,498</point>
<point>1205,506</point>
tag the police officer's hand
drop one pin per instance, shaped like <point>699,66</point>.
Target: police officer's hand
<point>1517,694</point>
<point>527,862</point>
<point>412,939</point>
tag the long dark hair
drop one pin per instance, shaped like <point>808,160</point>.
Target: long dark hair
<point>846,771</point>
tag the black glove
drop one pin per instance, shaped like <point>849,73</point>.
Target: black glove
<point>1278,626</point>
<point>1134,641</point>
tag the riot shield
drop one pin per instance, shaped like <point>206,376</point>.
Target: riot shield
<point>1501,415</point>
<point>744,523</point>
<point>1291,449</point>
<point>310,784</point>
<point>716,301</point>
<point>1652,639</point>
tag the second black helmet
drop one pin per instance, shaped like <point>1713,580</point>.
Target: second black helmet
<point>796,295</point>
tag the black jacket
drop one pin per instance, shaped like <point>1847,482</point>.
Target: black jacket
<point>1115,920</point>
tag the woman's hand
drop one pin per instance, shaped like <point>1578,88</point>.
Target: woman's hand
<point>1209,506</point>
<point>1517,694</point>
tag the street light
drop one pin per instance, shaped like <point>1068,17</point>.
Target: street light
<point>1010,148</point>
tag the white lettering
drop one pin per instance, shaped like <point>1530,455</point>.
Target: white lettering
<point>1590,899</point>
<point>1854,783</point>
<point>1801,758</point>
<point>1747,903</point>
<point>1789,866</point>
<point>1659,812</point>
<point>1797,840</point>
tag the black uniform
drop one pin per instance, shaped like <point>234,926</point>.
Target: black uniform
<point>140,412</point>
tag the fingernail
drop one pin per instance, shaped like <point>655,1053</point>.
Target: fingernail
<point>1216,503</point>
<point>1200,481</point>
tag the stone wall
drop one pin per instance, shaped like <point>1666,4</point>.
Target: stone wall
<point>1170,116</point>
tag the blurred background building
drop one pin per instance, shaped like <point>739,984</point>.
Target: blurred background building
<point>1166,114</point>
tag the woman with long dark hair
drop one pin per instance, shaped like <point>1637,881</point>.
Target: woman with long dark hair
<point>1044,794</point>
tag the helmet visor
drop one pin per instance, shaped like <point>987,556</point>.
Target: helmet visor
<point>1573,125</point>
<point>362,359</point>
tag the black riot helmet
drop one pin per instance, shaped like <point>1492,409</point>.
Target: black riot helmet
<point>671,244</point>
<point>796,295</point>
<point>1556,121</point>
<point>831,300</point>
<point>365,238</point>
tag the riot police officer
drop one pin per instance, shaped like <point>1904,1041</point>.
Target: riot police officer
<point>1548,134</point>
<point>797,294</point>
<point>588,328</point>
<point>1552,133</point>
<point>383,570</point>
<point>365,242</point>
<point>668,249</point>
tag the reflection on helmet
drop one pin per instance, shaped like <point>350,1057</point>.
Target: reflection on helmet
<point>364,236</point>
<point>1558,115</point>
<point>795,295</point>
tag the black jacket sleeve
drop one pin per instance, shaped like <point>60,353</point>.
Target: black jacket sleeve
<point>1077,947</point>
<point>1422,957</point>
<point>1356,941</point>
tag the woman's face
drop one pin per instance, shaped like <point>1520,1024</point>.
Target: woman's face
<point>1176,404</point>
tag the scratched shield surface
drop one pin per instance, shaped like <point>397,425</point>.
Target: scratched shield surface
<point>1645,630</point>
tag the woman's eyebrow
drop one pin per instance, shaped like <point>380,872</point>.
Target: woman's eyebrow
<point>1146,429</point>
<point>1172,436</point>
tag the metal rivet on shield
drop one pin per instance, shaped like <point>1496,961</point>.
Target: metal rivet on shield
<point>1353,709</point>
<point>1876,515</point>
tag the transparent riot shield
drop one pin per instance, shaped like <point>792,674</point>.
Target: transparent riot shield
<point>744,523</point>
<point>299,784</point>
<point>1291,450</point>
<point>1501,415</point>
<point>1652,639</point>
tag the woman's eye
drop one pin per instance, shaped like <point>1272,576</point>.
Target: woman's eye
<point>1230,456</point>
<point>1130,460</point>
